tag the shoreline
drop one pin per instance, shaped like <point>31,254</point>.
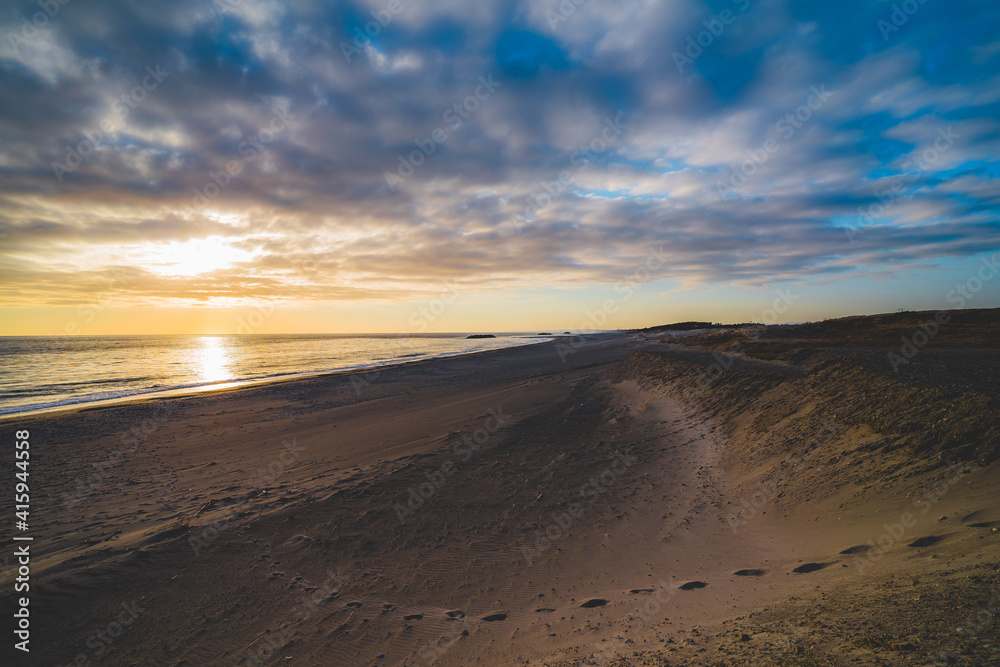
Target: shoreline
<point>232,385</point>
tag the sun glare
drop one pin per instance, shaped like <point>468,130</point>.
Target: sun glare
<point>194,257</point>
<point>213,360</point>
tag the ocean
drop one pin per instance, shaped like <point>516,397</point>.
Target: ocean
<point>39,372</point>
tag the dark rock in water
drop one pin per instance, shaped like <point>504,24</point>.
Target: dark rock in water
<point>480,336</point>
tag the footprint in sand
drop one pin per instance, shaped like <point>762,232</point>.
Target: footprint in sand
<point>691,585</point>
<point>495,617</point>
<point>750,573</point>
<point>455,614</point>
<point>544,610</point>
<point>353,605</point>
<point>925,541</point>
<point>809,567</point>
<point>640,591</point>
<point>596,602</point>
<point>860,549</point>
<point>413,617</point>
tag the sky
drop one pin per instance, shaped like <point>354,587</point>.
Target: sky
<point>255,166</point>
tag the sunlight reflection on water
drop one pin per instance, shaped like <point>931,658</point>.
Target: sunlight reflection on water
<point>214,362</point>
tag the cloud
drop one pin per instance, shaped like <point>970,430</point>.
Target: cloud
<point>276,124</point>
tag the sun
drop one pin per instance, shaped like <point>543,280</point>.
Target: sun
<point>194,257</point>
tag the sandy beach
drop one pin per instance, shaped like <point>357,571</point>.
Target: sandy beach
<point>623,499</point>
